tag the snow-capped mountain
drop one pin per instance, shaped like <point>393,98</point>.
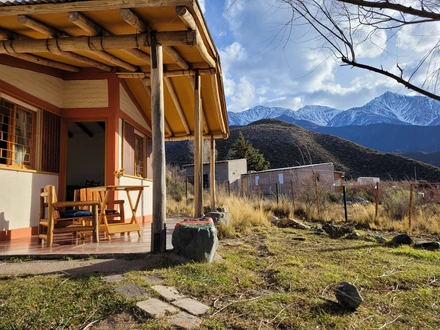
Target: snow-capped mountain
<point>388,108</point>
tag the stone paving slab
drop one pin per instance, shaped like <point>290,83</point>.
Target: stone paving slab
<point>156,308</point>
<point>131,291</point>
<point>113,278</point>
<point>169,293</point>
<point>192,306</point>
<point>184,321</point>
<point>152,279</point>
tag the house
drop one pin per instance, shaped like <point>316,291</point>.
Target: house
<point>299,178</point>
<point>90,87</point>
<point>227,172</point>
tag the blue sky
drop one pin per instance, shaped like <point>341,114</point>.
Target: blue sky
<point>266,64</point>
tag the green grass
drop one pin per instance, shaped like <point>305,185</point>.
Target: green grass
<point>264,280</point>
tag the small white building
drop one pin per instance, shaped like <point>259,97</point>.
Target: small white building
<point>364,180</point>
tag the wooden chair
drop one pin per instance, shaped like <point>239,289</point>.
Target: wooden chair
<point>115,214</point>
<point>53,220</point>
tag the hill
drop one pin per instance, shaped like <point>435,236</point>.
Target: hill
<point>388,137</point>
<point>284,145</point>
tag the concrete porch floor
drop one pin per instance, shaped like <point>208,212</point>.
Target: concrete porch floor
<point>65,245</point>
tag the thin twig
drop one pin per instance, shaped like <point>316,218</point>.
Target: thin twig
<point>234,302</point>
<point>390,322</point>
<point>92,323</point>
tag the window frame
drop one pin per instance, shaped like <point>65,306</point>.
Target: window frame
<point>28,109</point>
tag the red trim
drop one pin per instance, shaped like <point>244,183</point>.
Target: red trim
<point>17,63</point>
<point>7,235</point>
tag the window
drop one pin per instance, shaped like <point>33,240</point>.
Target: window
<point>135,152</point>
<point>138,155</point>
<point>281,178</point>
<point>17,135</point>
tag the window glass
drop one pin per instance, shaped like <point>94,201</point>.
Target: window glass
<point>139,155</point>
<point>17,135</point>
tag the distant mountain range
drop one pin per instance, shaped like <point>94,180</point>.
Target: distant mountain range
<point>389,108</point>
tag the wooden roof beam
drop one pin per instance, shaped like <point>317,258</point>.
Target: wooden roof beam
<point>205,124</point>
<point>177,104</point>
<point>40,27</point>
<point>51,32</point>
<point>190,23</point>
<point>134,20</point>
<point>33,58</point>
<point>69,44</point>
<point>54,33</point>
<point>90,5</point>
<point>169,74</point>
<point>46,62</point>
<point>94,29</point>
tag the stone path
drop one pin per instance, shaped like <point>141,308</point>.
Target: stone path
<point>181,311</point>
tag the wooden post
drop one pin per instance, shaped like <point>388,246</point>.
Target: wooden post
<point>277,190</point>
<point>316,194</point>
<point>212,174</point>
<point>259,190</point>
<point>345,203</point>
<point>158,120</point>
<point>186,190</point>
<point>376,200</point>
<point>293,198</point>
<point>198,160</point>
<point>410,205</point>
<point>243,187</point>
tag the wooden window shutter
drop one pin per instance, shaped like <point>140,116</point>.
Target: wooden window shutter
<point>128,149</point>
<point>51,135</point>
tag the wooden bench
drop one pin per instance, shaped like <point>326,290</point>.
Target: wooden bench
<point>52,220</point>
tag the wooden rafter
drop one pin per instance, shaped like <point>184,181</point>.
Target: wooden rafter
<point>177,104</point>
<point>202,111</point>
<point>69,44</point>
<point>54,33</point>
<point>134,20</point>
<point>41,27</point>
<point>169,74</point>
<point>34,58</point>
<point>146,83</point>
<point>190,23</point>
<point>90,5</point>
<point>94,29</point>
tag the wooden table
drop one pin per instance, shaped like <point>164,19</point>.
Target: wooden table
<point>124,227</point>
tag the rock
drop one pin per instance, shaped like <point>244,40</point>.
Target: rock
<point>353,235</point>
<point>221,209</point>
<point>219,218</point>
<point>427,245</point>
<point>131,291</point>
<point>377,238</point>
<point>273,219</point>
<point>336,231</point>
<point>319,231</point>
<point>195,239</point>
<point>290,223</point>
<point>402,239</point>
<point>156,308</point>
<point>347,295</point>
<point>184,321</point>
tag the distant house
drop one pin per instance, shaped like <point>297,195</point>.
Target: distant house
<point>364,180</point>
<point>321,176</point>
<point>226,172</point>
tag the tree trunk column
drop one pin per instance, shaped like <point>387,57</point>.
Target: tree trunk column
<point>198,160</point>
<point>158,237</point>
<point>212,174</point>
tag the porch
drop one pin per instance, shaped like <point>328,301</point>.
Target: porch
<point>65,245</point>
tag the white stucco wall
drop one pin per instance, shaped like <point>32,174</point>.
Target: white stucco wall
<point>145,204</point>
<point>19,198</point>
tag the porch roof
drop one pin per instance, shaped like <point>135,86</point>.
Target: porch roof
<point>115,35</point>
